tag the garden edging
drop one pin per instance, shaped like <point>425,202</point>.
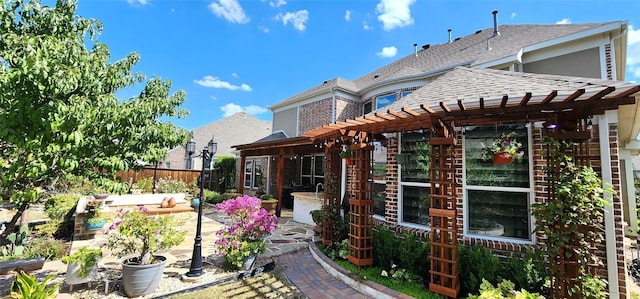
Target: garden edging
<point>365,286</point>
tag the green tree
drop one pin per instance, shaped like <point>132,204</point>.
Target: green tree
<point>225,168</point>
<point>59,114</point>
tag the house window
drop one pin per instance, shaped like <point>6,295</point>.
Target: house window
<point>312,170</point>
<point>498,196</point>
<point>167,165</point>
<point>367,107</point>
<point>405,93</point>
<point>257,174</point>
<point>248,173</point>
<point>414,178</point>
<point>383,101</point>
<point>379,178</point>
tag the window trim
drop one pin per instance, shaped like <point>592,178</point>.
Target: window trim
<point>400,195</point>
<point>530,191</point>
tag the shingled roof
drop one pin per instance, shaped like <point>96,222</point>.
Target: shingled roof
<point>476,95</point>
<point>471,50</point>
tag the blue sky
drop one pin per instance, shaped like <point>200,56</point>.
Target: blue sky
<point>232,56</point>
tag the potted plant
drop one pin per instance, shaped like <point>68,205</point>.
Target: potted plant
<point>269,203</point>
<point>503,149</point>
<point>82,265</point>
<point>347,154</point>
<point>27,286</point>
<point>94,219</point>
<point>15,256</point>
<point>134,232</point>
<point>243,240</point>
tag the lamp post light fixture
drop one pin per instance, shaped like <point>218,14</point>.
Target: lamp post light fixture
<point>196,258</point>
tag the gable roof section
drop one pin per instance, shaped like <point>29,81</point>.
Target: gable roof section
<point>469,95</point>
<point>470,50</point>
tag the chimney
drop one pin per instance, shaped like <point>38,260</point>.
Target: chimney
<point>495,23</point>
<point>415,49</point>
<point>449,35</point>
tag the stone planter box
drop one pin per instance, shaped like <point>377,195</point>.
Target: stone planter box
<point>26,265</point>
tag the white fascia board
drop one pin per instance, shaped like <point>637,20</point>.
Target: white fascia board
<point>600,31</point>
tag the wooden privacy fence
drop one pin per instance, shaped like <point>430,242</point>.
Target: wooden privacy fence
<point>185,175</point>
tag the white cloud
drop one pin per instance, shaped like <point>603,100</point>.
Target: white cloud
<point>394,13</point>
<point>365,26</point>
<point>277,3</point>
<point>297,19</point>
<point>347,15</point>
<point>140,2</point>
<point>232,108</point>
<point>564,21</point>
<point>263,29</point>
<point>513,15</point>
<point>215,82</point>
<point>633,55</point>
<point>388,52</point>
<point>235,75</point>
<point>230,10</point>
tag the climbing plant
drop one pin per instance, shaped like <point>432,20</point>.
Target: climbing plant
<point>572,223</point>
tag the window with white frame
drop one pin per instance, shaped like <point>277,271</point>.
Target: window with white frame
<point>257,174</point>
<point>248,173</point>
<point>415,185</point>
<point>379,178</point>
<point>497,196</point>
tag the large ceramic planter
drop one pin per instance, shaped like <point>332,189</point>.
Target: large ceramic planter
<point>26,265</point>
<point>269,206</point>
<point>94,225</point>
<point>141,280</point>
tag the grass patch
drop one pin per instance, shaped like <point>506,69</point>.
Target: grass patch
<point>414,289</point>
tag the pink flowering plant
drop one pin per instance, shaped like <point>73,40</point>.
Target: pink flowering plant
<point>505,145</point>
<point>245,236</point>
<point>142,234</point>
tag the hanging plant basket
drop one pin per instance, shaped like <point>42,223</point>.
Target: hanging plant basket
<point>501,158</point>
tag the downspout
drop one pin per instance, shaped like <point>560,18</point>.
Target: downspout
<point>333,106</point>
<point>609,219</point>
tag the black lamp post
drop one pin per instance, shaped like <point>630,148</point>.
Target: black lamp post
<point>196,258</point>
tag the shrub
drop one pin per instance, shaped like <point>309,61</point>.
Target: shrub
<point>505,289</point>
<point>231,194</point>
<point>145,184</point>
<point>401,252</point>
<point>475,264</point>
<point>46,247</point>
<point>213,197</point>
<point>58,206</point>
<point>338,250</point>
<point>528,272</point>
<point>27,286</point>
<point>169,185</point>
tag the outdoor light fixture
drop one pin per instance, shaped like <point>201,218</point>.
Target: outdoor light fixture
<point>207,154</point>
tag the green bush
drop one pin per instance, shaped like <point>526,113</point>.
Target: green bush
<point>60,209</point>
<point>231,194</point>
<point>58,206</point>
<point>404,251</point>
<point>145,184</point>
<point>504,290</point>
<point>528,272</point>
<point>169,185</point>
<point>475,264</point>
<point>213,197</point>
<point>46,247</point>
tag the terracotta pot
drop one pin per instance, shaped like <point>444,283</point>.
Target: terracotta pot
<point>164,203</point>
<point>172,202</point>
<point>501,159</point>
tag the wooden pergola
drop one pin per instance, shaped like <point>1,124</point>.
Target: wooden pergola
<point>461,97</point>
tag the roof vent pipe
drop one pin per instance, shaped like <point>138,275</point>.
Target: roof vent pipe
<point>495,23</point>
<point>449,35</point>
<point>415,49</point>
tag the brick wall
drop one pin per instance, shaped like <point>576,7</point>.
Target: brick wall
<point>504,248</point>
